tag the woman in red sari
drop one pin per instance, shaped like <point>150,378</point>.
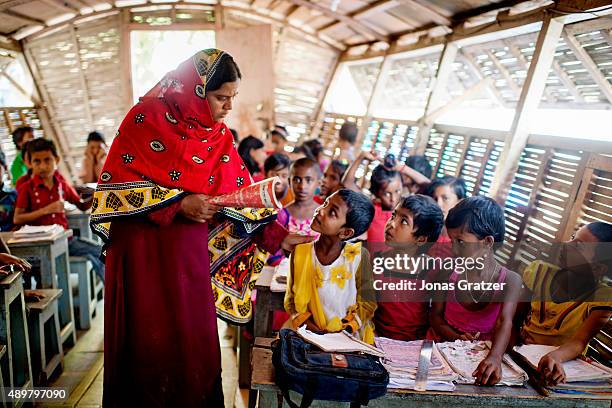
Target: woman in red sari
<point>172,152</point>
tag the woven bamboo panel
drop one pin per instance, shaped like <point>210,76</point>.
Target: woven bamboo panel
<point>12,118</point>
<point>301,71</point>
<point>78,67</point>
<point>329,127</point>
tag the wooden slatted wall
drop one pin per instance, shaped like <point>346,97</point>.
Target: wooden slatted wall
<point>77,70</point>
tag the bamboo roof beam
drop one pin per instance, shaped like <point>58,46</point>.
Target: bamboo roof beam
<point>589,64</point>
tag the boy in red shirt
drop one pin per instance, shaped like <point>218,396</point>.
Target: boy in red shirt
<point>40,200</point>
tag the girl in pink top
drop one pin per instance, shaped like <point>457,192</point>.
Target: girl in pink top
<point>480,300</point>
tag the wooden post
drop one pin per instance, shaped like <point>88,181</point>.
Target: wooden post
<point>82,78</point>
<point>438,90</point>
<point>531,95</point>
<point>125,60</point>
<point>318,112</point>
<point>374,96</point>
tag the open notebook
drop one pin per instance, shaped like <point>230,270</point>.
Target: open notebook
<point>341,342</point>
<point>577,370</point>
<point>465,356</point>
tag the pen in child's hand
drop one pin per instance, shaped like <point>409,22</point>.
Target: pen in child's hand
<point>476,336</point>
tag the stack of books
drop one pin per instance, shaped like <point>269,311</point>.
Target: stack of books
<point>585,378</point>
<point>465,356</point>
<point>31,233</point>
<point>402,361</point>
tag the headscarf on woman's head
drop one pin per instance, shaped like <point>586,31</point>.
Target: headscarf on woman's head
<point>169,145</point>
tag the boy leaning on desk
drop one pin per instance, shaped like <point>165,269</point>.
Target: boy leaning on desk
<point>40,200</point>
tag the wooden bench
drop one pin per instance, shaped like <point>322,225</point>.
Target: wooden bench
<point>465,396</point>
<point>45,339</point>
<point>52,256</point>
<point>267,302</point>
<point>85,297</point>
<point>17,367</point>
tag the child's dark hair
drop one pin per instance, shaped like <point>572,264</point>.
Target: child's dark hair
<point>276,161</point>
<point>315,146</point>
<point>227,71</point>
<point>244,150</point>
<point>481,215</point>
<point>457,184</point>
<point>427,217</point>
<point>603,232</point>
<point>381,176</point>
<point>19,133</point>
<point>95,136</point>
<point>305,150</point>
<point>360,211</point>
<point>420,164</point>
<point>41,145</point>
<point>348,132</point>
<point>306,162</point>
<point>339,167</point>
<point>279,131</point>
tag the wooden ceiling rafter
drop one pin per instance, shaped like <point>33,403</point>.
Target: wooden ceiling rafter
<point>583,56</point>
<point>357,25</point>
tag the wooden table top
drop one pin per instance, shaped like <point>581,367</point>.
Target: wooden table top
<point>6,236</point>
<point>263,380</point>
<point>265,277</point>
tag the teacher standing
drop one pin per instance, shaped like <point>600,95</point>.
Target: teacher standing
<point>172,152</point>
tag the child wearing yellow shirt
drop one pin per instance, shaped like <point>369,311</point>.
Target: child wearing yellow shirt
<point>329,287</point>
<point>583,303</point>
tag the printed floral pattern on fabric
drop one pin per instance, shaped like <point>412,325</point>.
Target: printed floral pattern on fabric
<point>235,263</point>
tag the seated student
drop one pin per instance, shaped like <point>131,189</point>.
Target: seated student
<point>21,135</point>
<point>332,179</point>
<point>278,139</point>
<point>385,186</point>
<point>415,222</point>
<point>304,180</point>
<point>347,136</point>
<point>476,228</point>
<point>253,154</point>
<point>40,200</point>
<point>447,192</point>
<point>277,165</point>
<point>570,324</point>
<point>94,157</point>
<point>329,287</point>
<point>317,151</point>
<point>416,174</point>
<point>8,196</point>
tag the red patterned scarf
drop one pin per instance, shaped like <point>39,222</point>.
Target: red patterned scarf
<point>169,145</point>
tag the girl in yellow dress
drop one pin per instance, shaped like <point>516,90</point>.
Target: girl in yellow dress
<point>330,286</point>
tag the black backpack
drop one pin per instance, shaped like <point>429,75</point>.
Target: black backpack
<point>348,377</point>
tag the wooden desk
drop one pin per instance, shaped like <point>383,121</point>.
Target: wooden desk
<point>266,303</point>
<point>465,396</point>
<point>52,256</point>
<point>78,221</point>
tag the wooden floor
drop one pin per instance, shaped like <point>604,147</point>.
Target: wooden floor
<point>84,369</point>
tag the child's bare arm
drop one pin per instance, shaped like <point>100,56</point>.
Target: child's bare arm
<point>348,181</point>
<point>550,366</point>
<point>442,329</point>
<point>22,216</point>
<point>417,177</point>
<point>489,371</point>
